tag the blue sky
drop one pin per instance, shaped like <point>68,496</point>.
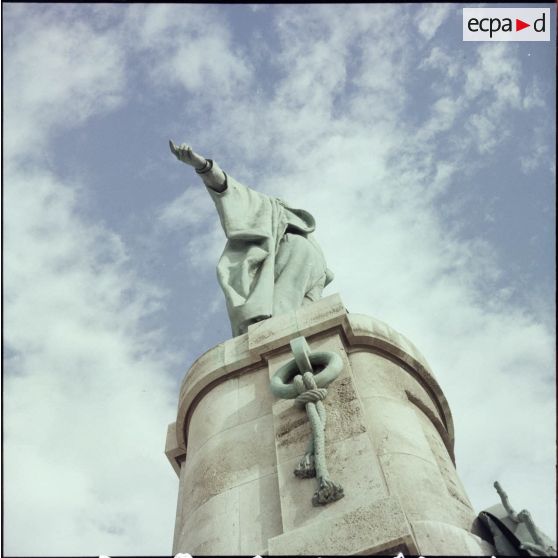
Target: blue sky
<point>428,163</point>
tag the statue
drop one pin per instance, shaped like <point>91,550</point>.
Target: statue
<point>271,263</point>
<point>515,534</point>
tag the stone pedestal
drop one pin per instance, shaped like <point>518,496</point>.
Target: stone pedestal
<point>389,443</point>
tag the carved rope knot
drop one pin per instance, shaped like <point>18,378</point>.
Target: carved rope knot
<point>310,396</point>
<point>308,391</point>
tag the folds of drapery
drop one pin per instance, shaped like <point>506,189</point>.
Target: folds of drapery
<point>254,225</point>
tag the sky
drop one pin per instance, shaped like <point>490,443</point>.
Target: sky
<point>428,163</point>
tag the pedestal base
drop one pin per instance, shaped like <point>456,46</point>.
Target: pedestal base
<point>389,443</point>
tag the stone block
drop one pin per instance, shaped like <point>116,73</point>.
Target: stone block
<point>254,395</point>
<point>215,412</point>
<point>394,427</point>
<point>213,527</point>
<point>180,516</point>
<point>239,454</point>
<point>370,529</point>
<point>321,315</point>
<point>443,459</point>
<point>362,326</point>
<point>175,453</point>
<point>210,361</point>
<point>376,375</point>
<point>237,354</point>
<point>210,367</point>
<point>351,463</point>
<point>420,487</point>
<point>272,333</point>
<point>420,382</point>
<point>260,514</point>
<point>422,398</point>
<point>435,538</point>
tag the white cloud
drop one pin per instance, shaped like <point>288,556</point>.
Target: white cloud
<point>533,97</point>
<point>439,59</point>
<point>56,76</point>
<point>493,81</point>
<point>486,132</point>
<point>205,64</point>
<point>189,47</point>
<point>88,395</point>
<point>193,207</point>
<point>537,152</point>
<point>476,114</point>
<point>431,17</point>
<point>203,249</point>
<point>155,26</point>
<point>532,161</point>
<point>444,113</point>
<point>189,215</point>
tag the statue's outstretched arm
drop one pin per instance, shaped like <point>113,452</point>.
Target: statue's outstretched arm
<point>213,178</point>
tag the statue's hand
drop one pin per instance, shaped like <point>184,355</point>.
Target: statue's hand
<point>185,154</point>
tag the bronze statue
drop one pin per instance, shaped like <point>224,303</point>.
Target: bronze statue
<point>271,263</point>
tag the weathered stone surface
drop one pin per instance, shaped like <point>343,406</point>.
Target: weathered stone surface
<point>321,315</point>
<point>237,353</point>
<point>351,463</point>
<point>368,529</point>
<point>424,410</point>
<point>232,402</point>
<point>175,454</point>
<point>254,396</point>
<point>435,539</point>
<point>421,489</point>
<point>215,412</point>
<point>365,328</point>
<point>377,374</point>
<point>212,360</point>
<point>443,459</point>
<point>232,457</point>
<point>207,368</point>
<point>395,428</point>
<point>270,334</point>
<point>368,331</point>
<point>212,528</point>
<point>180,516</point>
<point>260,514</point>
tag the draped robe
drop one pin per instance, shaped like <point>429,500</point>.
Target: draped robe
<point>258,228</point>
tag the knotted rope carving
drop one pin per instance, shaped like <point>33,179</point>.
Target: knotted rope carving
<point>308,390</point>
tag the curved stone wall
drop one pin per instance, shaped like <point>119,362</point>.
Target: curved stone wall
<point>389,442</point>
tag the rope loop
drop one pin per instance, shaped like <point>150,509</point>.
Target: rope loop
<point>283,383</point>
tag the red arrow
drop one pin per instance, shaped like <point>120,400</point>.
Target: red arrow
<point>519,25</point>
